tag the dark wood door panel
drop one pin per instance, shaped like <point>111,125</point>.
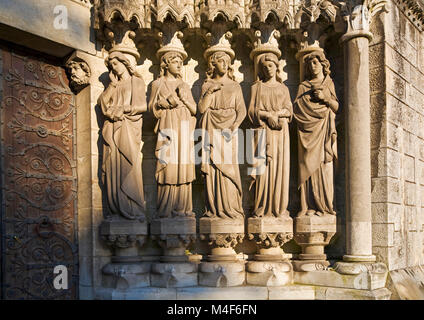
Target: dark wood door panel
<point>38,178</point>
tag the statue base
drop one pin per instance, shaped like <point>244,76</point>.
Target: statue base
<point>223,235</point>
<point>222,274</point>
<point>174,235</point>
<point>313,233</point>
<point>126,270</point>
<point>123,276</point>
<point>357,276</point>
<point>174,275</point>
<point>269,274</point>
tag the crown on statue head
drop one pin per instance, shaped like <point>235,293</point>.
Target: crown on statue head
<point>219,43</point>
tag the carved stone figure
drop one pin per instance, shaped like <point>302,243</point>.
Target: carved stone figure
<point>173,105</point>
<point>271,110</point>
<point>315,109</point>
<point>222,108</point>
<point>79,73</point>
<point>122,104</point>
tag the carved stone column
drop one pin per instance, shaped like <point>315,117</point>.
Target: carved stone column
<point>125,228</point>
<point>270,224</point>
<point>358,164</point>
<point>174,223</point>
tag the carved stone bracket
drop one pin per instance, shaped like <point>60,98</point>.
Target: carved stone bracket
<point>312,234</point>
<point>271,240</point>
<point>123,241</point>
<point>79,73</point>
<point>124,237</point>
<point>223,240</point>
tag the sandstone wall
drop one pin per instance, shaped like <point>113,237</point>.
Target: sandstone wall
<point>397,139</point>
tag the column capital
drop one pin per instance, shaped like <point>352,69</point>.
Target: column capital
<point>355,34</point>
<point>357,18</point>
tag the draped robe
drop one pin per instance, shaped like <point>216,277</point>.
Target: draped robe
<point>220,158</point>
<point>174,149</point>
<point>317,146</point>
<point>272,167</point>
<point>122,157</point>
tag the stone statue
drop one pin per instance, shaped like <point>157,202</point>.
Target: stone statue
<point>315,110</point>
<point>222,108</point>
<point>271,110</point>
<point>173,105</point>
<point>122,104</point>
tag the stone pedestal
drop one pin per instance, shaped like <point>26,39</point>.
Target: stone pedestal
<point>222,274</point>
<point>126,269</point>
<point>313,233</point>
<point>357,280</point>
<point>271,267</point>
<point>174,235</point>
<point>223,268</point>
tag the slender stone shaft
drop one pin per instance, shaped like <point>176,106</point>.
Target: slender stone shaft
<point>358,155</point>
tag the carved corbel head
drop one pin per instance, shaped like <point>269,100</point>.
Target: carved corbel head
<point>79,73</point>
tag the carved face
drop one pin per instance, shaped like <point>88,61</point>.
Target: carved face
<point>269,69</point>
<point>77,74</point>
<point>175,66</point>
<point>118,68</point>
<point>315,67</point>
<point>221,66</point>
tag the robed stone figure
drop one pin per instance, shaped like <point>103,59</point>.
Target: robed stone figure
<point>315,110</point>
<point>122,104</point>
<point>222,110</point>
<point>270,112</point>
<point>173,105</point>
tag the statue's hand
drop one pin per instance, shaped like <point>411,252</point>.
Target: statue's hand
<point>273,122</point>
<point>173,101</point>
<point>284,114</point>
<point>214,88</point>
<point>163,104</point>
<point>319,94</point>
<point>127,109</point>
<point>118,114</point>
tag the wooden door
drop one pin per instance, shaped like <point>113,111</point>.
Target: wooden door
<point>38,178</point>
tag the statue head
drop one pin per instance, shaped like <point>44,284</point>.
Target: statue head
<point>219,62</point>
<point>315,63</point>
<point>119,63</point>
<point>171,62</point>
<point>79,72</point>
<point>268,67</point>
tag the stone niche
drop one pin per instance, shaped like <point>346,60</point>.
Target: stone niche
<point>200,246</point>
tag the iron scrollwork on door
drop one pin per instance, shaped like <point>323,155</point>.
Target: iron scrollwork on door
<point>39,179</point>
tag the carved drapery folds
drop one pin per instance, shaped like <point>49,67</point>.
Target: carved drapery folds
<point>121,24</point>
